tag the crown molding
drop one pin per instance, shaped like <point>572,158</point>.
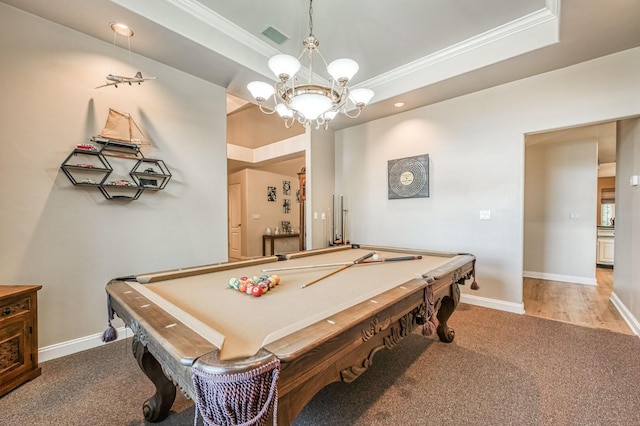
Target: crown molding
<point>191,20</point>
<point>195,21</point>
<point>222,24</point>
<point>507,30</point>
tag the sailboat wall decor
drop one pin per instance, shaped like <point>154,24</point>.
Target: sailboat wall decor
<point>87,165</point>
<point>120,130</point>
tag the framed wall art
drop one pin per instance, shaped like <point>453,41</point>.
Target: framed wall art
<point>408,177</point>
<point>271,193</point>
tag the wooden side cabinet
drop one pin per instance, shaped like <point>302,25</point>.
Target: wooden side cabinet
<point>18,335</point>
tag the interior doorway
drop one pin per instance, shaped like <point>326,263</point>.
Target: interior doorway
<point>546,293</point>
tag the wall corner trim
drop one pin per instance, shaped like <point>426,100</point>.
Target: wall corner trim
<point>632,321</point>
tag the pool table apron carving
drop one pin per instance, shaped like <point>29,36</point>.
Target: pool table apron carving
<point>327,332</point>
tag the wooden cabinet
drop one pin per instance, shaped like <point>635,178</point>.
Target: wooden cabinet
<point>606,243</point>
<point>18,335</point>
<point>605,250</point>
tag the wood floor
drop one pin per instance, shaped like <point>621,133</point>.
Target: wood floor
<point>579,304</point>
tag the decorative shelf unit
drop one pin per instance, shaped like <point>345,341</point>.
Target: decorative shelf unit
<point>151,174</point>
<point>87,162</point>
<point>88,165</point>
<point>126,155</point>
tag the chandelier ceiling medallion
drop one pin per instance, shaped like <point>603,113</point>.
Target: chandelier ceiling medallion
<point>307,102</point>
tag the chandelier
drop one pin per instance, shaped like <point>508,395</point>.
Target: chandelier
<point>302,100</point>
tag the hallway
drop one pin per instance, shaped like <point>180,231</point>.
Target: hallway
<point>578,304</point>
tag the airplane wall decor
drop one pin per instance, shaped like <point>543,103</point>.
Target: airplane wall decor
<point>114,80</point>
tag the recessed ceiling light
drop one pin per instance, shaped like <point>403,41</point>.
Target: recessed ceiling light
<point>121,29</point>
<point>398,105</point>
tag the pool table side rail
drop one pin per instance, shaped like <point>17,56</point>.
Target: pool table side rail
<point>173,344</point>
<point>198,270</point>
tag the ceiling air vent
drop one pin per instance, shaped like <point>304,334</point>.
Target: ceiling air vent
<point>275,35</point>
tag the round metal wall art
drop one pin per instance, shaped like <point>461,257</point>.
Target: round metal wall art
<point>408,177</point>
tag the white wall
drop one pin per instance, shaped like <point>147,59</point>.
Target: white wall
<point>71,239</point>
<point>561,181</point>
<point>320,185</point>
<point>476,149</point>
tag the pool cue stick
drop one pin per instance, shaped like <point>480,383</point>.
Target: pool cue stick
<point>390,259</point>
<point>326,265</point>
<point>342,268</point>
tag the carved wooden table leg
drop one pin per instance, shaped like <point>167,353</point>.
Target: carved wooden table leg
<point>448,304</point>
<point>157,407</point>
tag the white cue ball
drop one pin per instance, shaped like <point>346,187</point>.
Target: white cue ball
<point>375,256</point>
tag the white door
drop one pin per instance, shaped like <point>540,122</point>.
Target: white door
<point>235,222</point>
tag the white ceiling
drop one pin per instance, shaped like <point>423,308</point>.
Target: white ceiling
<point>419,52</point>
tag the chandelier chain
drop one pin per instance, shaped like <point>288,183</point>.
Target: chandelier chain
<point>311,17</point>
<point>308,102</point>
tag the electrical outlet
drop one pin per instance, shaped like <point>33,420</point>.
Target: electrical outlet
<point>485,214</point>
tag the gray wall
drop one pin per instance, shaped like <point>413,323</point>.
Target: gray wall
<point>476,148</point>
<point>70,239</point>
<point>626,274</point>
<point>320,186</point>
<point>561,181</point>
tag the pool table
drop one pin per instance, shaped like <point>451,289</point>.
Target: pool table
<point>320,333</point>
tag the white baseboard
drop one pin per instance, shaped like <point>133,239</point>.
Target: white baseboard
<point>500,305</point>
<point>626,314</point>
<point>561,278</point>
<point>69,347</point>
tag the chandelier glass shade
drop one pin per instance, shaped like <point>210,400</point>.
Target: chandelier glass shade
<point>301,99</point>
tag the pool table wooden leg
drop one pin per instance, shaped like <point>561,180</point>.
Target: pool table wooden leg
<point>448,304</point>
<point>156,407</point>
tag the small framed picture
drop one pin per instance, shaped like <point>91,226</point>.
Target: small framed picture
<point>286,187</point>
<point>286,226</point>
<point>286,206</point>
<point>271,193</point>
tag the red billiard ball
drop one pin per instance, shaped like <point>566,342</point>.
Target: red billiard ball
<point>256,291</point>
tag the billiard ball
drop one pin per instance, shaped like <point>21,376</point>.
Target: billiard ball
<point>375,256</point>
<point>256,291</point>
